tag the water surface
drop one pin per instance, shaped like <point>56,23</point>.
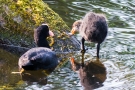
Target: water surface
<point>117,51</point>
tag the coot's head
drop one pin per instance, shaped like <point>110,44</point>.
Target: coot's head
<point>75,27</point>
<point>44,30</point>
<point>40,35</point>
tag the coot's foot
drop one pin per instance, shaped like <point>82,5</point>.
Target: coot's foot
<point>83,51</point>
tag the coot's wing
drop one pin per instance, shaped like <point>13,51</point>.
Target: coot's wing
<point>40,57</point>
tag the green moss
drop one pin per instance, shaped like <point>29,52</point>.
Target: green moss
<point>20,17</point>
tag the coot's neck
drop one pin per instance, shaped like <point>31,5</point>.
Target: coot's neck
<point>43,43</point>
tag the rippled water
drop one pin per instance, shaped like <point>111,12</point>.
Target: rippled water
<point>117,51</point>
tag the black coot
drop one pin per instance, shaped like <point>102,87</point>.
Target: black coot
<point>41,57</point>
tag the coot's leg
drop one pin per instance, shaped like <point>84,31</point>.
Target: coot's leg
<point>98,48</point>
<point>82,45</point>
<point>82,60</point>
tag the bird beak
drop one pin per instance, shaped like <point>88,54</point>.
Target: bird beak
<point>73,31</point>
<point>51,33</point>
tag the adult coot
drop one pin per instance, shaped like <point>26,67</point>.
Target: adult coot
<point>93,27</point>
<point>41,57</point>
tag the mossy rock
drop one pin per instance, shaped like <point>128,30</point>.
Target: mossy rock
<point>18,18</point>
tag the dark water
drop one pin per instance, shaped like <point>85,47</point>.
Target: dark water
<point>117,51</point>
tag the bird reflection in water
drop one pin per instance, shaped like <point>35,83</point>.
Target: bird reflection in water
<point>38,76</point>
<point>92,74</point>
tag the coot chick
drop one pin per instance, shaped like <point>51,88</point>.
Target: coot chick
<point>41,57</point>
<point>93,27</point>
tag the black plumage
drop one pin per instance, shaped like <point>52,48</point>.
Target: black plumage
<point>41,57</point>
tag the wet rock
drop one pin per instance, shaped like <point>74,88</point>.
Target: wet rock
<point>19,18</point>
